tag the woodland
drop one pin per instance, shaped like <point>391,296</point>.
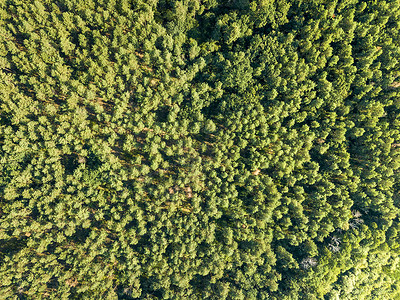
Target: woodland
<point>200,149</point>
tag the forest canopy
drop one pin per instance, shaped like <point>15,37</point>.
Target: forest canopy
<point>199,149</point>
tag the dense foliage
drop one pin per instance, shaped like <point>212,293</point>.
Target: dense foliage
<point>199,149</point>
